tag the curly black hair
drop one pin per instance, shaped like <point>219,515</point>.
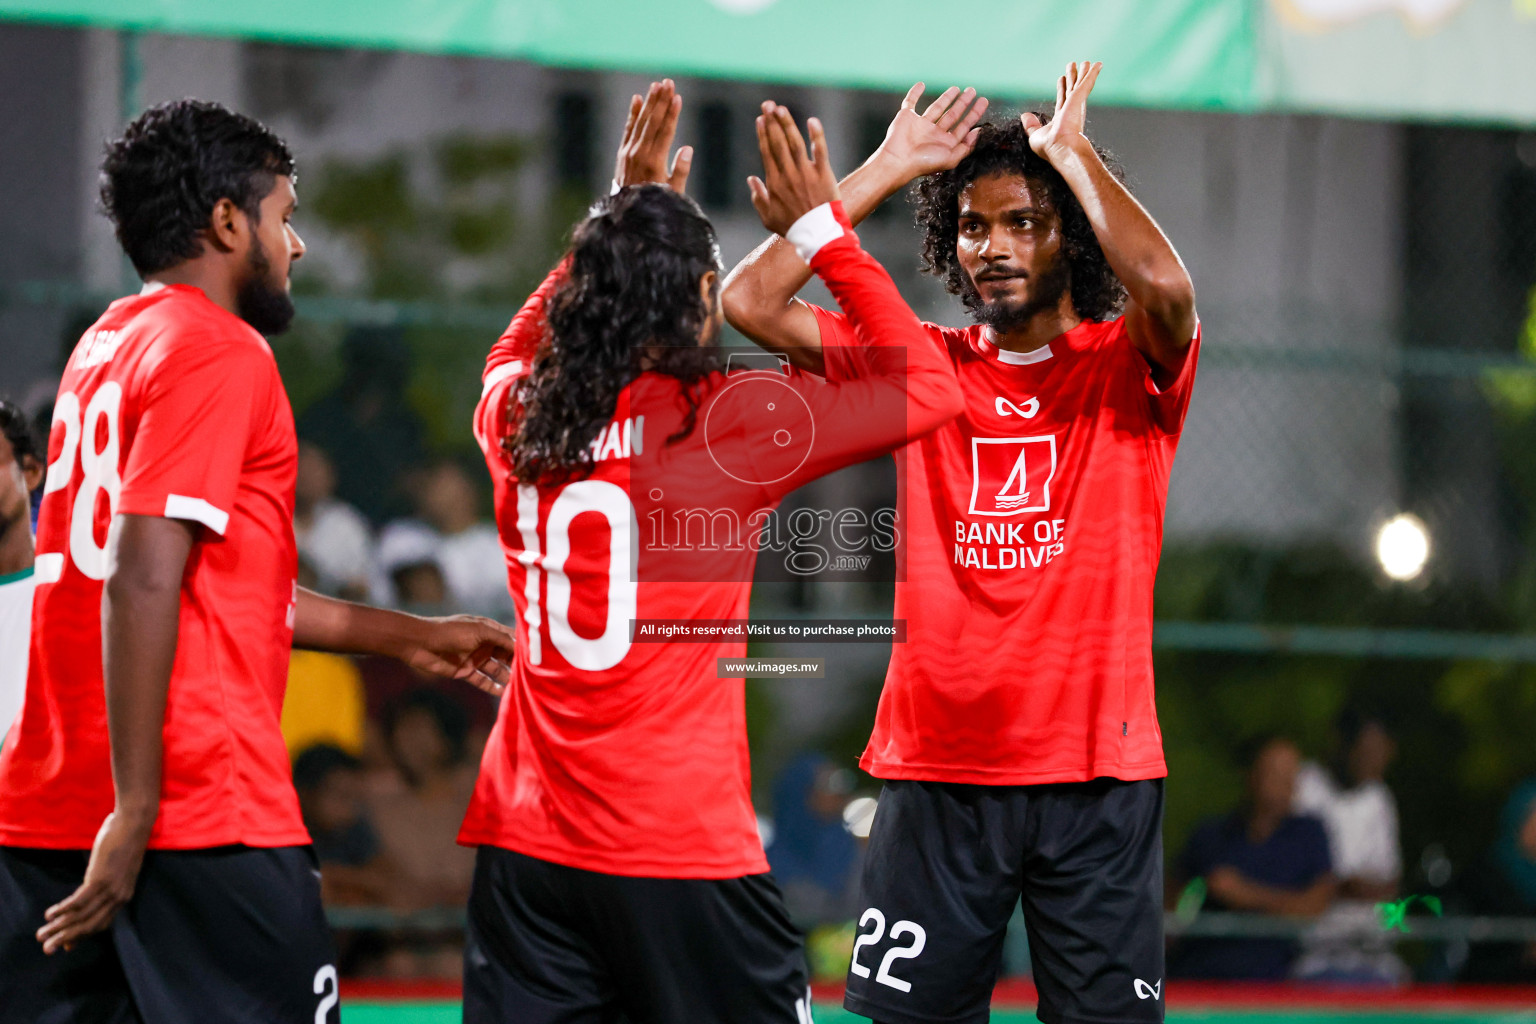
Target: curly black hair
<point>160,181</point>
<point>630,304</point>
<point>1003,148</point>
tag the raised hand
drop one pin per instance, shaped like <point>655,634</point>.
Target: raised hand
<point>467,647</point>
<point>648,135</point>
<point>1067,123</point>
<point>794,181</point>
<point>938,138</point>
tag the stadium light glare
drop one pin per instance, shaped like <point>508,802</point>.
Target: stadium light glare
<point>1402,546</point>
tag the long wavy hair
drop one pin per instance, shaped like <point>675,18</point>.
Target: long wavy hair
<point>629,305</point>
<point>1003,148</point>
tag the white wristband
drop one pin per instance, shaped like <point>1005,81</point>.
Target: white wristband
<point>814,230</point>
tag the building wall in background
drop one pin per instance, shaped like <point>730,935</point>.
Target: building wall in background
<point>42,82</point>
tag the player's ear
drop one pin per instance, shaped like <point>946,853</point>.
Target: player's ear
<point>709,298</point>
<point>228,225</point>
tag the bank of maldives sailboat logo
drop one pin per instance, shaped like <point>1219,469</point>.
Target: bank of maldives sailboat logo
<point>1010,475</point>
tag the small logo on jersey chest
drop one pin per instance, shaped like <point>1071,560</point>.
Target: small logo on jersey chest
<point>1007,408</point>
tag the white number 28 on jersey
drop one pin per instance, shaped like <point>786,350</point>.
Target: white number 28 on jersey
<point>609,501</point>
<point>94,438</point>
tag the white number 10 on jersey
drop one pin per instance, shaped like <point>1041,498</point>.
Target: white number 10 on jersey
<point>609,501</point>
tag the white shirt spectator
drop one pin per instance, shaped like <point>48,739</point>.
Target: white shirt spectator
<point>1361,824</point>
<point>477,570</point>
<point>337,542</point>
<point>471,561</point>
<point>1346,944</point>
<point>467,547</point>
<point>15,641</point>
<point>334,538</point>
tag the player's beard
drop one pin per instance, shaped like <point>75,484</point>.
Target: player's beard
<point>261,302</point>
<point>1045,291</point>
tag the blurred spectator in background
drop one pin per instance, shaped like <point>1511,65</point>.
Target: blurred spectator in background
<point>353,869</point>
<point>1262,859</point>
<point>386,681</point>
<point>813,856</point>
<point>324,702</point>
<point>420,587</point>
<point>333,536</point>
<point>466,546</point>
<point>21,473</point>
<point>417,810</point>
<point>1504,885</point>
<point>409,571</point>
<point>1360,815</point>
<point>42,430</point>
<point>367,421</point>
<point>419,807</point>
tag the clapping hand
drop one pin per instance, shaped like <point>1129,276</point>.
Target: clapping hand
<point>794,181</point>
<point>1071,116</point>
<point>648,135</point>
<point>938,138</point>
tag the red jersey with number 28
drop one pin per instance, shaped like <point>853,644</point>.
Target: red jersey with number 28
<point>626,757</point>
<point>170,406</point>
<point>1035,525</point>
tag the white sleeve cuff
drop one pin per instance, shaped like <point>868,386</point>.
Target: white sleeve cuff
<point>179,506</point>
<point>501,373</point>
<point>814,230</point>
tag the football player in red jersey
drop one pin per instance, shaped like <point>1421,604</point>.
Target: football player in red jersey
<point>620,874</point>
<point>1017,730</point>
<point>145,788</point>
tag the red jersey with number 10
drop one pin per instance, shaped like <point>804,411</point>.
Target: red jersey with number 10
<point>170,406</point>
<point>628,757</point>
<point>1035,525</point>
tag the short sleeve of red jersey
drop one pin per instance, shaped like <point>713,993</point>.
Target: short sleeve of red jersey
<point>194,418</point>
<point>1170,404</point>
<point>845,357</point>
<point>511,357</point>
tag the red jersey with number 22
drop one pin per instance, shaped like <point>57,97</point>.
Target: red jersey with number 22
<point>1034,528</point>
<point>170,406</point>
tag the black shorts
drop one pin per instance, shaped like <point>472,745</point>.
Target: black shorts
<point>550,944</point>
<point>234,934</point>
<point>946,865</point>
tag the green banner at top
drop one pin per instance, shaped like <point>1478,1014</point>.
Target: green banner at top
<point>1471,60</point>
<point>1463,59</point>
